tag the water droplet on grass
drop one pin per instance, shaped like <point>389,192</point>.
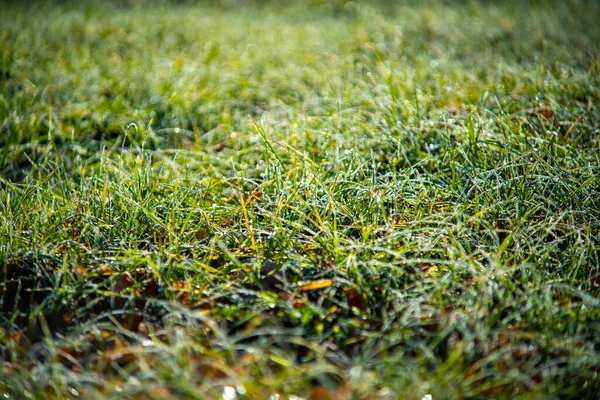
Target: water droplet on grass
<point>229,393</point>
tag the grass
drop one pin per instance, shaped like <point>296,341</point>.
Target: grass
<point>323,199</point>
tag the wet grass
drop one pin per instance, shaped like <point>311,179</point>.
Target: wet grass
<point>323,198</point>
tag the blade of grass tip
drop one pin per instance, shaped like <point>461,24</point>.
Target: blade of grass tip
<point>506,242</point>
<point>228,253</point>
<point>247,222</point>
<point>263,135</point>
<point>129,126</point>
<point>147,133</point>
<point>312,167</point>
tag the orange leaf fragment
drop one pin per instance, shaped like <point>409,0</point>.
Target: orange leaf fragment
<point>320,393</point>
<point>547,113</point>
<point>180,285</point>
<point>323,283</point>
<point>298,302</point>
<point>105,270</point>
<point>124,282</point>
<point>202,234</point>
<point>211,371</point>
<point>506,25</point>
<point>106,334</point>
<point>151,288</point>
<point>183,298</point>
<point>355,299</point>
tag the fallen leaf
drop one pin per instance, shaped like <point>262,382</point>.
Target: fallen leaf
<point>180,285</point>
<point>82,270</point>
<point>106,334</point>
<point>323,283</point>
<point>538,379</point>
<point>320,393</point>
<point>105,270</point>
<point>124,282</point>
<point>218,147</point>
<point>151,288</point>
<point>298,302</point>
<point>547,113</point>
<point>183,298</point>
<point>506,25</point>
<point>209,371</point>
<point>202,234</point>
<point>355,299</point>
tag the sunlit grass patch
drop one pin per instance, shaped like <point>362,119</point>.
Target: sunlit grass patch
<point>324,198</point>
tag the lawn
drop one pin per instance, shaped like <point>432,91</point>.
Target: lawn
<point>312,199</point>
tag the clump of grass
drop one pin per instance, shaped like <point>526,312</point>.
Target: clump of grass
<point>369,200</point>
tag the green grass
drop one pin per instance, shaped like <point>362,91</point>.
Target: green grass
<point>377,200</point>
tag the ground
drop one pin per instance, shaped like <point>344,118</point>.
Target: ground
<point>320,199</point>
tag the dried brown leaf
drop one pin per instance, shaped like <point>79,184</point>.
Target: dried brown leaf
<point>355,299</point>
<point>124,282</point>
<point>321,284</point>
